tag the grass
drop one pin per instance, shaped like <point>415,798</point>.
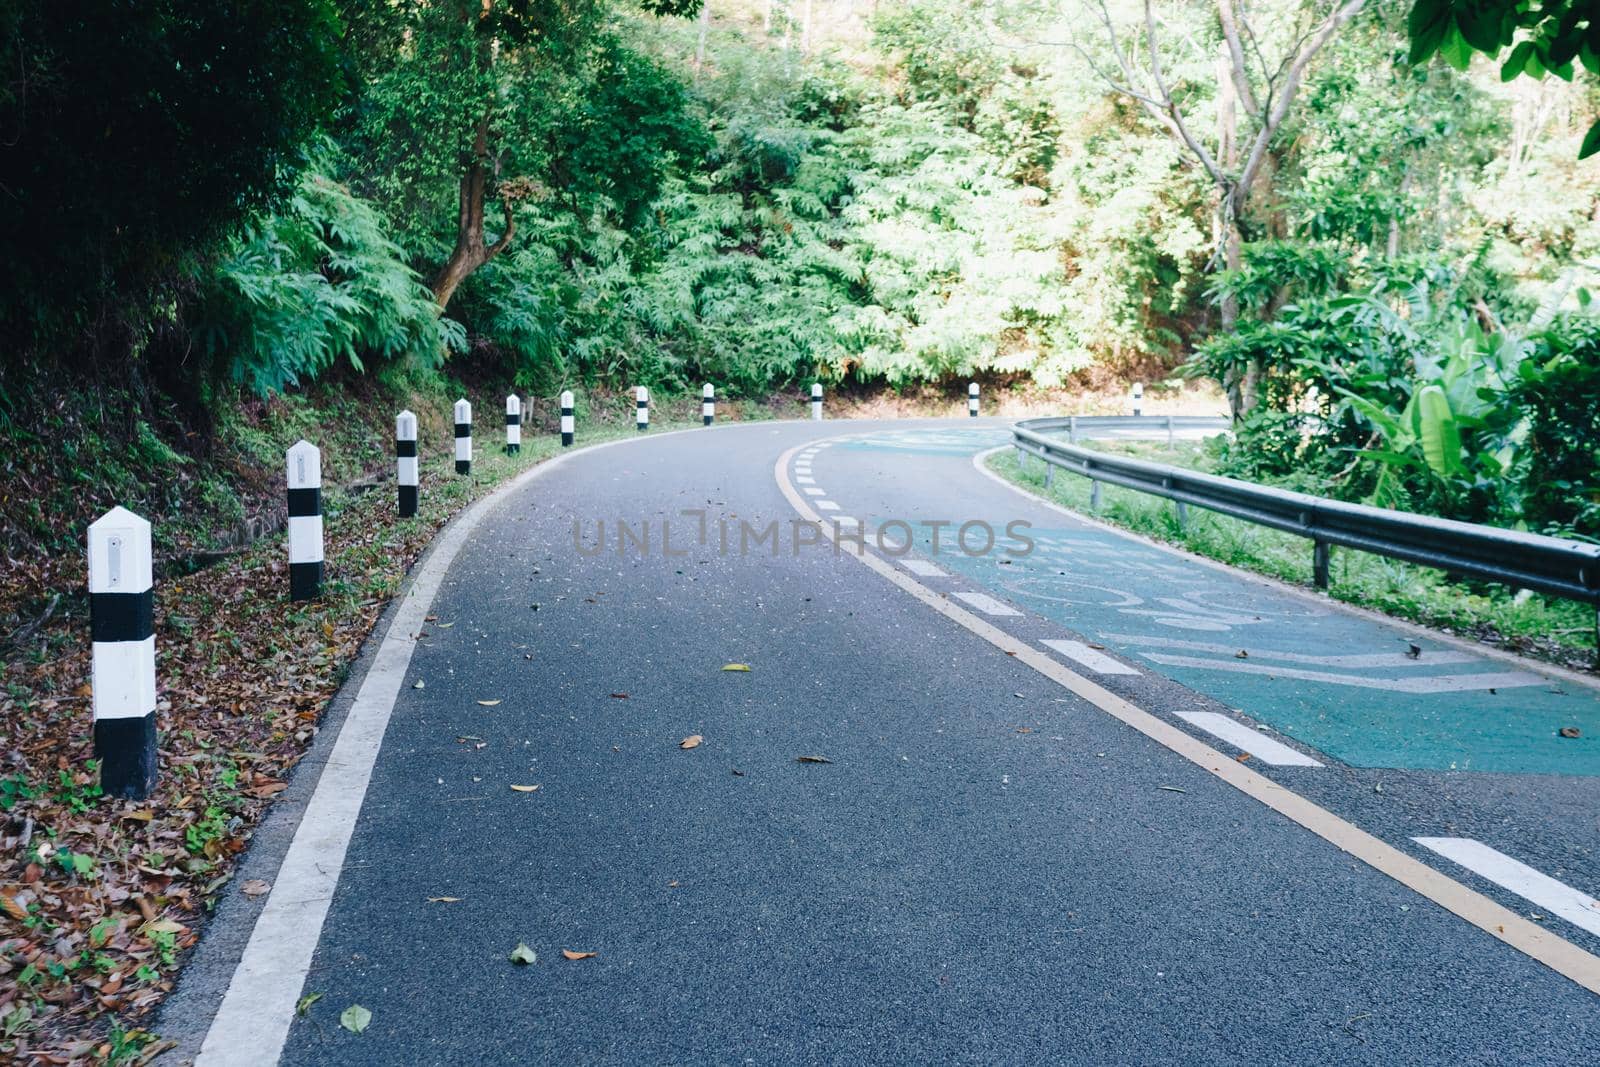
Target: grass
<point>1557,631</point>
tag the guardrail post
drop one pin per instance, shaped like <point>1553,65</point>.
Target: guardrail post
<point>513,425</point>
<point>463,416</point>
<point>1169,431</point>
<point>568,420</point>
<point>816,401</point>
<point>1072,429</point>
<point>123,666</point>
<point>1320,555</point>
<point>1138,399</point>
<point>1094,494</point>
<point>304,462</point>
<point>1049,472</point>
<point>972,399</point>
<point>405,452</point>
<point>708,404</point>
<point>641,409</point>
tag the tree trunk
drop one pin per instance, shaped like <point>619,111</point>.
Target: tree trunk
<point>471,251</point>
<point>700,45</point>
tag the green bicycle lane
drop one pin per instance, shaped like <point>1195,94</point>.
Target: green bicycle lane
<point>1366,693</point>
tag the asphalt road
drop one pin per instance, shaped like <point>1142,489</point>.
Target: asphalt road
<point>989,867</point>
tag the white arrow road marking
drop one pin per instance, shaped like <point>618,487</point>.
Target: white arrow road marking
<point>1242,737</point>
<point>1558,898</point>
<point>1429,657</point>
<point>1096,661</point>
<point>1435,683</point>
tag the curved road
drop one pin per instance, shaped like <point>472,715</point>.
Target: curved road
<point>1084,800</point>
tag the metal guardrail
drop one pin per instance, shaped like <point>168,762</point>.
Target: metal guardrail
<point>1552,565</point>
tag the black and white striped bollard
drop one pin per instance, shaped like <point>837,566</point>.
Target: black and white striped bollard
<point>816,401</point>
<point>513,425</point>
<point>123,675</point>
<point>1138,399</point>
<point>463,436</point>
<point>708,405</point>
<point>304,461</point>
<point>972,400</point>
<point>641,409</point>
<point>568,421</point>
<point>405,453</point>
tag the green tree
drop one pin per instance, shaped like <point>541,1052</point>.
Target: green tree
<point>134,135</point>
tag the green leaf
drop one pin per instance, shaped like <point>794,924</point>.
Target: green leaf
<point>1591,142</point>
<point>355,1018</point>
<point>1439,431</point>
<point>1426,25</point>
<point>1455,49</point>
<point>305,1002</point>
<point>523,954</point>
<point>1517,62</point>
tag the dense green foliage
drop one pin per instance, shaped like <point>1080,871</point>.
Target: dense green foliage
<point>1393,288</point>
<point>132,136</point>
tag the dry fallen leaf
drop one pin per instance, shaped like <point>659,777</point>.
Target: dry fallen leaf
<point>1241,757</point>
<point>444,900</point>
<point>139,816</point>
<point>1570,731</point>
<point>571,955</point>
<point>255,887</point>
<point>488,703</point>
<point>525,788</point>
<point>812,759</point>
<point>12,908</point>
<point>735,666</point>
<point>692,741</point>
<point>619,696</point>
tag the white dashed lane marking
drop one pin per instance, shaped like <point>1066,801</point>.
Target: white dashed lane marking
<point>803,480</point>
<point>826,505</point>
<point>814,491</point>
<point>988,604</point>
<point>1557,898</point>
<point>924,568</point>
<point>1096,661</point>
<point>1242,737</point>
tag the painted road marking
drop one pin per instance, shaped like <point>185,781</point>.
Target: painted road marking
<point>826,505</point>
<point>1242,737</point>
<point>1428,658</point>
<point>847,520</point>
<point>1558,898</point>
<point>988,604</point>
<point>815,492</point>
<point>924,568</point>
<point>1496,920</point>
<point>1436,683</point>
<point>805,480</point>
<point>1095,660</point>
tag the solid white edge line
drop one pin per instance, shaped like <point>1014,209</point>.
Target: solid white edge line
<point>1496,920</point>
<point>1093,659</point>
<point>1241,737</point>
<point>1411,629</point>
<point>253,1022</point>
<point>1534,886</point>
